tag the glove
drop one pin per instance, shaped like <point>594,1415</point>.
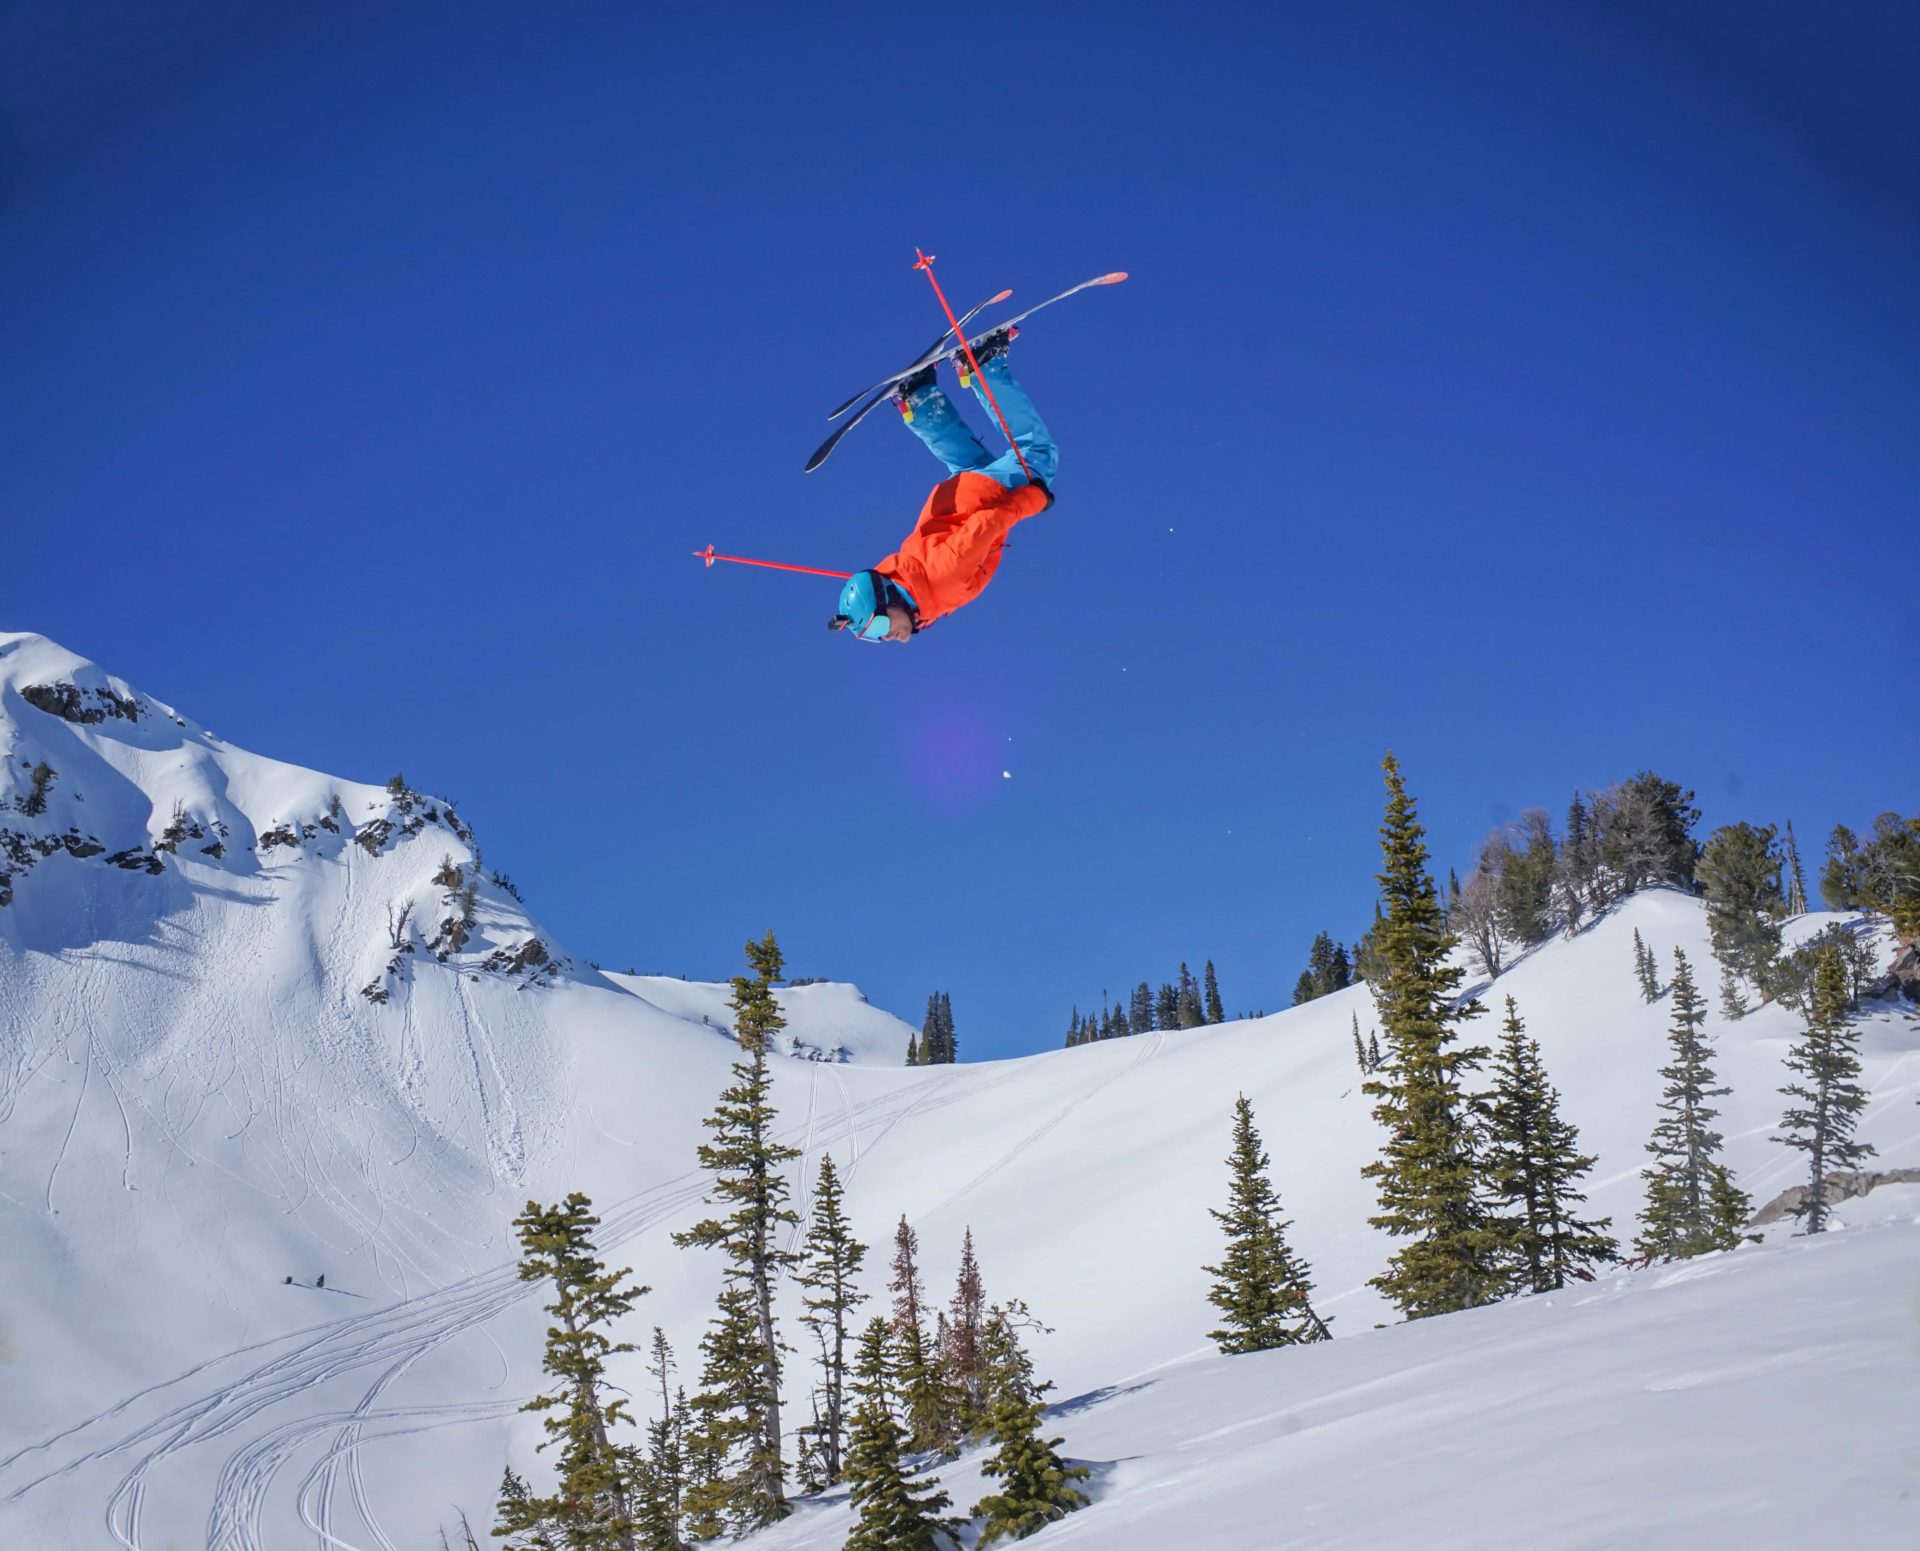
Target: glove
<point>1045,489</point>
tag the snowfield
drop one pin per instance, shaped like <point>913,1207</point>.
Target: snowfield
<point>336,1047</point>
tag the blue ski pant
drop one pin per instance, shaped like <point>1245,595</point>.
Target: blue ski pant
<point>949,438</point>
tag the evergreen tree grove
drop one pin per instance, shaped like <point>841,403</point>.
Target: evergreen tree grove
<point>1215,1009</point>
<point>922,1387</point>
<point>1830,1098</point>
<point>739,1400</point>
<point>591,1509</point>
<point>1260,1288</point>
<point>1426,1172</point>
<point>1533,1161</point>
<point>1690,1196</point>
<point>890,1513</point>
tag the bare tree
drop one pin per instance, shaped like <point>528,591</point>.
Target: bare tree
<point>1477,917</point>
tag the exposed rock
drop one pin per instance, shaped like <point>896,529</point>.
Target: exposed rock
<point>279,835</point>
<point>531,954</point>
<point>374,834</point>
<point>71,703</point>
<point>138,859</point>
<point>1842,1185</point>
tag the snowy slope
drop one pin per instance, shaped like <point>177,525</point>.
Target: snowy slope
<point>199,1097</point>
<point>1764,1399</point>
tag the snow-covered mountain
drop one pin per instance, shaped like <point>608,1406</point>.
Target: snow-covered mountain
<point>257,1023</point>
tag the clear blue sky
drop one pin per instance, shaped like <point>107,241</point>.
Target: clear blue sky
<point>1536,395</point>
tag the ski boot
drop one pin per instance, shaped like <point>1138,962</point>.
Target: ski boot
<point>991,348</point>
<point>912,388</point>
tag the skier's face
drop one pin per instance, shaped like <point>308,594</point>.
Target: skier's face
<point>902,625</point>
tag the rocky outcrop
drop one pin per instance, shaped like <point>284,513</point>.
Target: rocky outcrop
<point>1842,1185</point>
<point>71,703</point>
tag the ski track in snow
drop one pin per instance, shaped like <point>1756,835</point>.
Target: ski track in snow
<point>1150,1048</point>
<point>398,1336</point>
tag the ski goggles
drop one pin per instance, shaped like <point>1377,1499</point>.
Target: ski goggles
<point>878,628</point>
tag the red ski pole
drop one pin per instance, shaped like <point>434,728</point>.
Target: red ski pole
<point>926,263</point>
<point>709,556</point>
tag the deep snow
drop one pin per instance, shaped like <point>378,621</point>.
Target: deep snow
<point>198,1099</point>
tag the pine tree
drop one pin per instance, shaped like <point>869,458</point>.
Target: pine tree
<point>1830,1097</point>
<point>1534,1165</point>
<point>961,1358</point>
<point>660,1486</point>
<point>1646,969</point>
<point>1739,874</point>
<point>1526,880</point>
<point>1796,876</point>
<point>1189,1013</point>
<point>1426,1172</point>
<point>930,1032</point>
<point>913,1048</point>
<point>1373,1050</point>
<point>1261,1289</point>
<point>1140,1013</point>
<point>1037,1485</point>
<point>1840,876</point>
<point>833,1257</point>
<point>1166,1007</point>
<point>1733,1001</point>
<point>1689,1194</point>
<point>739,1403</point>
<point>937,1044</point>
<point>1216,1011</point>
<point>521,1521</point>
<point>1573,881</point>
<point>591,1508</point>
<point>1359,1050</point>
<point>1366,952</point>
<point>1727,1209</point>
<point>1303,991</point>
<point>1646,833</point>
<point>929,1412</point>
<point>891,1513</point>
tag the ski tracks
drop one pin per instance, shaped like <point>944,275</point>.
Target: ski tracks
<point>1154,1045</point>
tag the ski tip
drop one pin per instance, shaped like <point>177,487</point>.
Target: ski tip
<point>1113,279</point>
<point>991,300</point>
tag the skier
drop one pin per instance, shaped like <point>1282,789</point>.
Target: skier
<point>954,548</point>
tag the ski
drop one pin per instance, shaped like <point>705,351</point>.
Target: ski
<point>927,354</point>
<point>885,389</point>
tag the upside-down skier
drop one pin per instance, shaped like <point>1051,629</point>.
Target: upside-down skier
<point>955,546</point>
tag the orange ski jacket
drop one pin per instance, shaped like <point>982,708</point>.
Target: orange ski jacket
<point>954,548</point>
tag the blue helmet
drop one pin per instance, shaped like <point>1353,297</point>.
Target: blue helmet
<point>864,602</point>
